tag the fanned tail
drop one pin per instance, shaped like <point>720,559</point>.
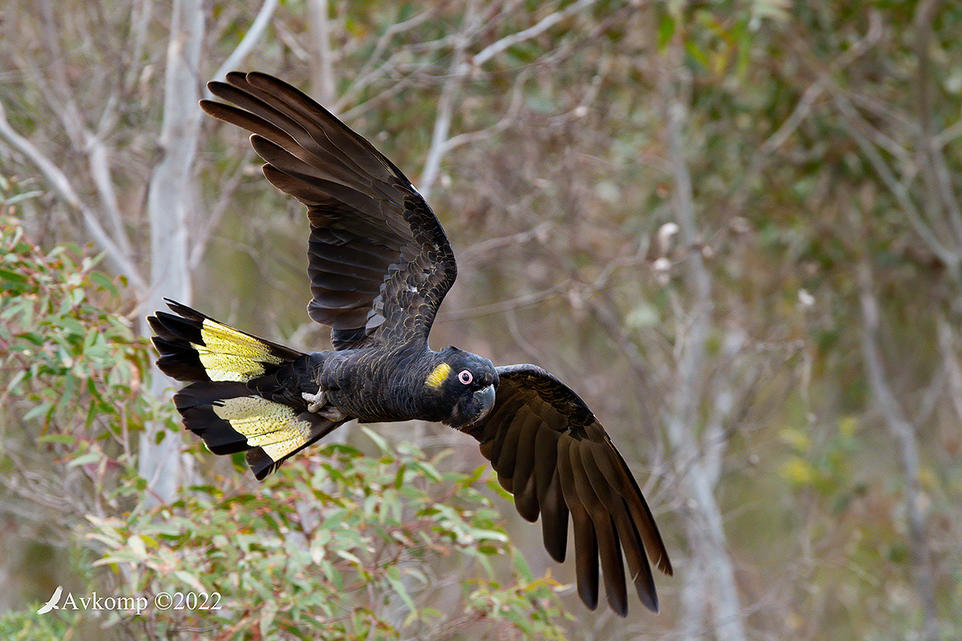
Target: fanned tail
<point>228,403</point>
<point>230,418</point>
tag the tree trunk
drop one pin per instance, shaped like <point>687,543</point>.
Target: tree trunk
<point>322,66</point>
<point>169,199</point>
<point>713,579</point>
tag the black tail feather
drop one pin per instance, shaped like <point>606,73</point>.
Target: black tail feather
<point>260,463</point>
<point>196,404</point>
<point>231,418</point>
<point>244,392</point>
<point>188,337</point>
<point>178,359</point>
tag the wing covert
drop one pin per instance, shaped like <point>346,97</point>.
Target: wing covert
<point>378,260</point>
<point>552,454</point>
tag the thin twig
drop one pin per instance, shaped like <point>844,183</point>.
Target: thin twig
<point>63,187</point>
<point>507,119</point>
<point>442,122</point>
<point>367,73</point>
<point>533,31</point>
<point>897,188</point>
<point>261,21</point>
<point>322,63</point>
<point>952,367</point>
<point>904,433</point>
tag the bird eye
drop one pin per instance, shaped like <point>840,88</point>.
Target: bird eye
<point>465,377</point>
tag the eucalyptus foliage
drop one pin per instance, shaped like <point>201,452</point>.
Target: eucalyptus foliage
<point>341,544</point>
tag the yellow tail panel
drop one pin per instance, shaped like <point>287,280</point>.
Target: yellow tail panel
<point>271,426</point>
<point>229,355</point>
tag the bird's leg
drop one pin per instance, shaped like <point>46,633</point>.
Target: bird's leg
<point>317,404</point>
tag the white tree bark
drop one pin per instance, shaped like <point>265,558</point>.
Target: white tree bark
<point>904,433</point>
<point>323,64</point>
<point>247,43</point>
<point>168,202</point>
<point>710,578</point>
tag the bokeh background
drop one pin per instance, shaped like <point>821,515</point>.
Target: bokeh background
<point>733,227</point>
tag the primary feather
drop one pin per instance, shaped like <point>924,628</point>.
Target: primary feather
<point>379,261</point>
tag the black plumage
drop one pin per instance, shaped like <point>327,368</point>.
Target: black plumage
<point>380,265</point>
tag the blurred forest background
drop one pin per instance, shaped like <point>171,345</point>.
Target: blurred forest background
<point>733,227</point>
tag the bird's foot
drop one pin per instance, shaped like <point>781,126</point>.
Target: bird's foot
<point>331,413</point>
<point>314,401</point>
<point>317,404</point>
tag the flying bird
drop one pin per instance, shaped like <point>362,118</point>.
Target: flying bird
<point>379,265</point>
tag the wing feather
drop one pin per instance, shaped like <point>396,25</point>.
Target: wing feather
<point>586,542</point>
<point>638,568</point>
<point>378,259</point>
<point>609,547</point>
<point>554,511</point>
<point>555,457</point>
<point>523,479</point>
<point>508,452</point>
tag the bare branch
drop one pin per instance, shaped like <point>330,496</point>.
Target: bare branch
<point>883,109</point>
<point>323,64</point>
<point>815,90</point>
<point>201,235</point>
<point>367,73</point>
<point>442,122</point>
<point>475,251</point>
<point>398,86</point>
<point>948,134</point>
<point>908,451</point>
<point>61,184</point>
<point>510,115</point>
<point>60,97</point>
<point>168,203</point>
<point>502,306</point>
<point>533,31</point>
<point>798,115</point>
<point>706,528</point>
<point>952,367</point>
<point>139,27</point>
<point>98,160</point>
<point>261,21</point>
<point>439,136</point>
<point>898,189</point>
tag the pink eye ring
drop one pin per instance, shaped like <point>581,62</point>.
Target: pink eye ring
<point>465,377</point>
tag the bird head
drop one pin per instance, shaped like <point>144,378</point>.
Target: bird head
<point>464,385</point>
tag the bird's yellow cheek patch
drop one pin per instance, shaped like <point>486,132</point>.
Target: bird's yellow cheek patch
<point>437,376</point>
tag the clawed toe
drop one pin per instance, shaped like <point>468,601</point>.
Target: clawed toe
<point>315,401</point>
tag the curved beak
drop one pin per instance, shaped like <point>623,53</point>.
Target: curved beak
<point>484,399</point>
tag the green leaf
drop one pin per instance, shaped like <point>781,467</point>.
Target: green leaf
<point>67,439</point>
<point>393,576</point>
<point>267,615</point>
<point>666,29</point>
<point>189,579</point>
<point>378,440</point>
<point>136,545</point>
<point>92,456</point>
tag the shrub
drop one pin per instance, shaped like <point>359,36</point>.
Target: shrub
<point>338,545</point>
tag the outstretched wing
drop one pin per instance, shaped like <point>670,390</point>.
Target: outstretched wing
<point>553,455</point>
<point>379,261</point>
